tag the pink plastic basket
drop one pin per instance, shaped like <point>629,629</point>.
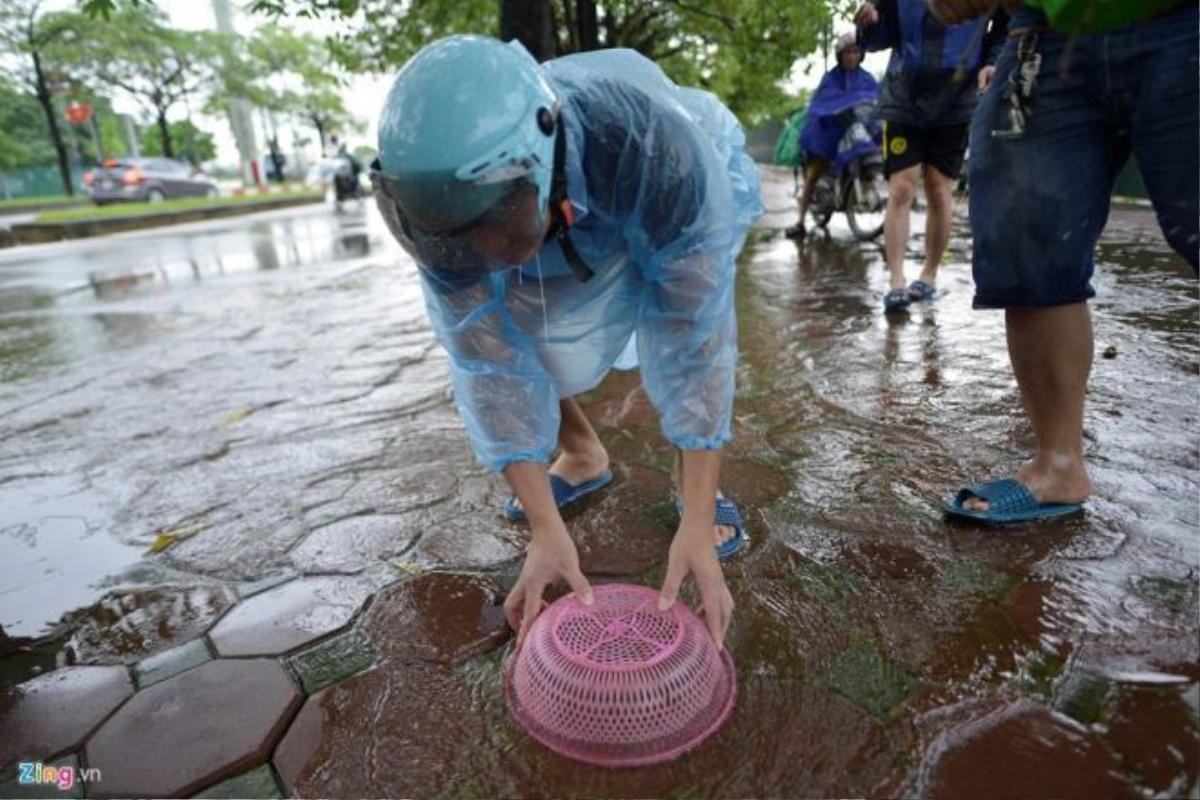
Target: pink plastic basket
<point>621,683</point>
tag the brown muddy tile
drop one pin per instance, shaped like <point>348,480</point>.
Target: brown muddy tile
<point>301,742</point>
<point>198,728</point>
<point>438,617</point>
<point>885,560</point>
<point>784,739</point>
<point>1158,736</point>
<point>53,713</point>
<point>623,532</point>
<point>396,731</point>
<point>288,616</point>
<point>626,407</point>
<point>753,484</point>
<point>128,626</point>
<point>1021,750</point>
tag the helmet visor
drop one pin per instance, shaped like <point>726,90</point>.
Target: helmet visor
<point>508,232</point>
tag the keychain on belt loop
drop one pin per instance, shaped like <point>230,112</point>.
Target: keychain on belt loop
<point>1020,85</point>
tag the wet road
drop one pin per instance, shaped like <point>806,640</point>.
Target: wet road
<point>263,397</point>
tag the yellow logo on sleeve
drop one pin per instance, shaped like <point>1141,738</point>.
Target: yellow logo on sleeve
<point>898,144</point>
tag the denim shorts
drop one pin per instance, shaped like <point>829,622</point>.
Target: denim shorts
<point>1039,200</point>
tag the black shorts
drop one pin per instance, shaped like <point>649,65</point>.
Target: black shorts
<point>906,146</point>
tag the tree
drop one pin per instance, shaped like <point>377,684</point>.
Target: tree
<point>136,51</point>
<point>34,40</point>
<point>289,74</point>
<point>739,49</point>
<point>24,137</point>
<point>187,140</point>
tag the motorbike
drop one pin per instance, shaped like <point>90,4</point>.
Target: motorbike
<point>855,184</point>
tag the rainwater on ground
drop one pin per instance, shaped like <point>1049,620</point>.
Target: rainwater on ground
<point>184,414</point>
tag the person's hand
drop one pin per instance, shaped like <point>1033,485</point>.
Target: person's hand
<point>693,552</point>
<point>551,556</point>
<point>986,73</point>
<point>867,15</point>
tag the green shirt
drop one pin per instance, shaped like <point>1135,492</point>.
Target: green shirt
<point>1094,16</point>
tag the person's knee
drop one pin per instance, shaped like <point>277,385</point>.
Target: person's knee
<point>939,192</point>
<point>902,190</point>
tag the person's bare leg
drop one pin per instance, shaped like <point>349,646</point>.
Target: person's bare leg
<point>581,455</point>
<point>812,173</point>
<point>902,187</point>
<point>722,533</point>
<point>939,197</point>
<point>1051,354</point>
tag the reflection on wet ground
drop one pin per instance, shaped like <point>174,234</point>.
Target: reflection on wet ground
<point>269,399</point>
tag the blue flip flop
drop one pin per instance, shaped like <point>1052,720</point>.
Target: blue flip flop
<point>920,290</point>
<point>725,513</point>
<point>896,300</point>
<point>564,492</point>
<point>1008,501</point>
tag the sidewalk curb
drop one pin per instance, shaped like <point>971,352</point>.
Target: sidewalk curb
<point>43,232</point>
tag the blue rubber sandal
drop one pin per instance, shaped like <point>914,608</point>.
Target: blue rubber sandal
<point>565,493</point>
<point>896,300</point>
<point>725,513</point>
<point>1008,501</point>
<point>920,290</point>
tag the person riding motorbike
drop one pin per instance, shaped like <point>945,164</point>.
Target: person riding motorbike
<point>830,114</point>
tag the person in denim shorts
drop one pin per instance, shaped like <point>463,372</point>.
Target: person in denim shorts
<point>1048,139</point>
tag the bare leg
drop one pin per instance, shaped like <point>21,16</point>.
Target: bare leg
<point>902,187</point>
<point>1051,353</point>
<point>581,456</point>
<point>813,171</point>
<point>722,533</point>
<point>939,194</point>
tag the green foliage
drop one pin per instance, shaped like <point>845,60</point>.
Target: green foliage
<point>24,139</point>
<point>289,74</point>
<point>135,50</point>
<point>739,49</point>
<point>189,141</point>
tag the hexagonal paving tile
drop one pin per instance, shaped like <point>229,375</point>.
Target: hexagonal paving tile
<point>288,616</point>
<point>52,713</point>
<point>391,732</point>
<point>442,617</point>
<point>191,731</point>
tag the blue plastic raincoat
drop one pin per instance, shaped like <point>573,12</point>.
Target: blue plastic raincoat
<point>838,92</point>
<point>663,194</point>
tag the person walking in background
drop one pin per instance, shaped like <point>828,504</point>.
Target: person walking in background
<point>929,93</point>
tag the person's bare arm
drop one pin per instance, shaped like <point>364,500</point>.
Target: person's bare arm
<point>551,554</point>
<point>692,550</point>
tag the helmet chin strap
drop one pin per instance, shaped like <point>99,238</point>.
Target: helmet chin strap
<point>562,215</point>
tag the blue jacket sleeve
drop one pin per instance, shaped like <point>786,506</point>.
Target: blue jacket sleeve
<point>683,234</point>
<point>886,34</point>
<point>506,399</point>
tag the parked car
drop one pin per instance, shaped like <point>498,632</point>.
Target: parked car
<point>147,180</point>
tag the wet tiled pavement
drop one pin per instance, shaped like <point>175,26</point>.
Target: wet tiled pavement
<point>320,616</point>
